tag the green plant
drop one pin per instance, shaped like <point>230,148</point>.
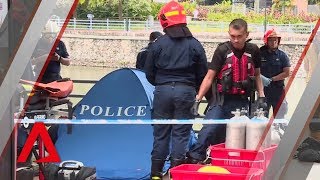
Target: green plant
<point>155,8</point>
<point>189,7</point>
<point>224,7</point>
<point>137,8</point>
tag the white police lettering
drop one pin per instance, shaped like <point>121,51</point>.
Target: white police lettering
<point>108,111</point>
<point>141,110</point>
<point>114,111</point>
<point>84,108</point>
<point>127,109</point>
<point>93,110</point>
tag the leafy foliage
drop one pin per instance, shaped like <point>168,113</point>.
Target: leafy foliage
<point>140,9</point>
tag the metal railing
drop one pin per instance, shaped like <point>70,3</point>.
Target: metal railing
<point>195,26</point>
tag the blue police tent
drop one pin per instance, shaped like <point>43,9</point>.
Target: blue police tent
<point>117,151</point>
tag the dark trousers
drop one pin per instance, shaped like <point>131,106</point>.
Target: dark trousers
<point>273,95</point>
<point>172,102</point>
<point>212,134</point>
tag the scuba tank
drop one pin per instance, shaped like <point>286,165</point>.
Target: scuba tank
<point>255,129</point>
<point>236,131</point>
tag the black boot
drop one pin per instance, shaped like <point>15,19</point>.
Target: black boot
<point>176,162</point>
<point>191,160</point>
<point>156,169</point>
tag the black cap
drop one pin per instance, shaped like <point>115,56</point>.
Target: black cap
<point>154,35</point>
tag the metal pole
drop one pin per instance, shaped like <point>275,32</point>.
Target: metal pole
<point>265,15</point>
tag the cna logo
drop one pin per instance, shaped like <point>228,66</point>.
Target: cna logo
<point>39,130</point>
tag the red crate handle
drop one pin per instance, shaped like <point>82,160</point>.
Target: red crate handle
<point>237,154</point>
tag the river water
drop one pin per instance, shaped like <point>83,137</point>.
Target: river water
<point>96,73</point>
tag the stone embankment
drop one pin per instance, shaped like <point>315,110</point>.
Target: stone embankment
<point>119,49</point>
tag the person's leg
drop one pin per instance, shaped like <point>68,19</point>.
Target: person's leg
<point>53,132</point>
<point>162,109</point>
<point>268,93</point>
<point>21,139</point>
<point>184,97</point>
<point>160,151</point>
<point>180,140</point>
<point>214,133</point>
<point>206,136</point>
<point>279,106</point>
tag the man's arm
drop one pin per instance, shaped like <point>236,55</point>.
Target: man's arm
<point>285,68</point>
<point>215,66</point>
<point>201,65</point>
<point>283,75</point>
<point>257,72</point>
<point>64,58</point>
<point>259,84</point>
<point>206,84</point>
<point>149,67</point>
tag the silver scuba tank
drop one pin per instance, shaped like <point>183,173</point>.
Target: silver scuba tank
<point>255,129</point>
<point>236,131</point>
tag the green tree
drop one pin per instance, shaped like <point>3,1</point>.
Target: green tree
<point>116,8</point>
<point>314,2</point>
<point>280,4</point>
<point>99,4</point>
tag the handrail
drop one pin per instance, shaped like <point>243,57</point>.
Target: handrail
<point>202,26</point>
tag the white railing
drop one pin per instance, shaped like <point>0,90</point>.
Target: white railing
<point>195,26</point>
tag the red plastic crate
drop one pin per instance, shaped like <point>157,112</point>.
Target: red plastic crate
<point>189,172</point>
<point>220,156</point>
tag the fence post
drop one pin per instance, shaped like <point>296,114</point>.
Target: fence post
<point>221,26</point>
<point>124,25</point>
<point>74,23</point>
<point>107,23</point>
<point>129,24</point>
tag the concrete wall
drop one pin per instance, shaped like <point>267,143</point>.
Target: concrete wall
<point>116,52</point>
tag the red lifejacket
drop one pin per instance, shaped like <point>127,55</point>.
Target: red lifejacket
<point>238,71</point>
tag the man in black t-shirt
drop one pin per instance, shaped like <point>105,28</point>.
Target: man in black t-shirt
<point>234,73</point>
<point>60,56</point>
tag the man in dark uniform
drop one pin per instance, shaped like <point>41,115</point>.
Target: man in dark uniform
<point>60,56</point>
<point>275,67</point>
<point>52,72</point>
<point>176,64</point>
<point>142,55</point>
<point>233,74</point>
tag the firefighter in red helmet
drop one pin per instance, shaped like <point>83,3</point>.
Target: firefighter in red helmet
<point>176,64</point>
<point>275,67</point>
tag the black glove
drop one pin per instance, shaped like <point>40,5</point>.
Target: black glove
<point>262,104</point>
<point>194,109</point>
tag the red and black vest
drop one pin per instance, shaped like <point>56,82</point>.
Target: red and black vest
<point>234,75</point>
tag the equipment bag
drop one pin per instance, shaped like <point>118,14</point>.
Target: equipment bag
<point>70,170</point>
<point>25,173</point>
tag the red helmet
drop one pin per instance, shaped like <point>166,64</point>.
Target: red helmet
<point>270,33</point>
<point>171,14</point>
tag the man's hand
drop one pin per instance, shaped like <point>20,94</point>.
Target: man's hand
<point>262,104</point>
<point>265,81</point>
<point>194,109</point>
<point>55,57</point>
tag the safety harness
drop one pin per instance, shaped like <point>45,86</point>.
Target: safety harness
<point>236,76</point>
